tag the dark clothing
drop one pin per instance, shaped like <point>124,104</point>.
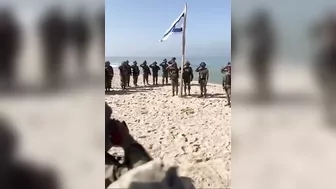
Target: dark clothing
<point>124,72</point>
<point>9,48</point>
<point>108,77</point>
<point>146,72</point>
<point>135,153</point>
<point>174,75</point>
<point>226,71</point>
<point>203,79</point>
<point>155,71</point>
<point>263,42</point>
<point>129,68</point>
<point>54,35</point>
<point>187,76</point>
<point>164,66</point>
<point>135,74</point>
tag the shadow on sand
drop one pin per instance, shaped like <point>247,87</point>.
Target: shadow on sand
<point>214,95</point>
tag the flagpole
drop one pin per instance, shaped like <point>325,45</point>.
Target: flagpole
<point>183,48</point>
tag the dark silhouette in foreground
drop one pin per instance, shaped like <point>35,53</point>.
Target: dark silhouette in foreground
<point>261,34</point>
<point>10,41</point>
<point>325,64</point>
<point>18,173</point>
<point>54,31</point>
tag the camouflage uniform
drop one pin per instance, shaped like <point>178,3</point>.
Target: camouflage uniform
<point>135,73</point>
<point>146,72</point>
<point>164,66</point>
<point>108,76</point>
<point>226,71</point>
<point>124,72</point>
<point>155,71</point>
<point>203,78</point>
<point>174,75</point>
<point>128,78</point>
<point>187,76</point>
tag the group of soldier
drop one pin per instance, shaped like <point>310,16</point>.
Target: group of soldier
<point>169,69</point>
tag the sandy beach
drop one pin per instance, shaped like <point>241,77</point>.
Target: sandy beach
<point>191,132</point>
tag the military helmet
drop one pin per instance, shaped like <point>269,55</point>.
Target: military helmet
<point>145,62</point>
<point>187,63</point>
<point>127,61</point>
<point>202,64</point>
<point>154,62</point>
<point>107,63</point>
<point>165,60</point>
<point>173,58</point>
<point>229,63</point>
<point>134,62</point>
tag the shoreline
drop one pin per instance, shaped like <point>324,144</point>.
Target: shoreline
<point>150,80</point>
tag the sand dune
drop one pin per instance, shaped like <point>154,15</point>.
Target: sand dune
<point>192,132</point>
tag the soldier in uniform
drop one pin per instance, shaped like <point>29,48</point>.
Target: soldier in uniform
<point>164,65</point>
<point>262,36</point>
<point>135,73</point>
<point>146,72</point>
<point>109,73</point>
<point>174,75</point>
<point>128,78</point>
<point>226,71</point>
<point>203,78</point>
<point>123,69</point>
<point>10,38</point>
<point>155,71</point>
<point>55,36</point>
<point>187,76</point>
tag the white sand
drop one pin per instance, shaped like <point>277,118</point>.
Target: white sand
<point>192,132</point>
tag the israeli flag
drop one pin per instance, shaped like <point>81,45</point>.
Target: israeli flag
<point>176,27</point>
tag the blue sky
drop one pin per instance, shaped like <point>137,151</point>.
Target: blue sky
<point>134,27</point>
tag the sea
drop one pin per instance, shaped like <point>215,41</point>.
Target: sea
<point>214,64</point>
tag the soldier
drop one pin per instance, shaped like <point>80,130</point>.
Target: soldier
<point>172,61</point>
<point>187,76</point>
<point>146,72</point>
<point>80,36</point>
<point>262,36</point>
<point>135,73</point>
<point>109,73</point>
<point>174,75</point>
<point>155,71</point>
<point>123,69</point>
<point>55,36</point>
<point>129,73</point>
<point>203,78</point>
<point>226,71</point>
<point>10,38</point>
<point>164,71</point>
